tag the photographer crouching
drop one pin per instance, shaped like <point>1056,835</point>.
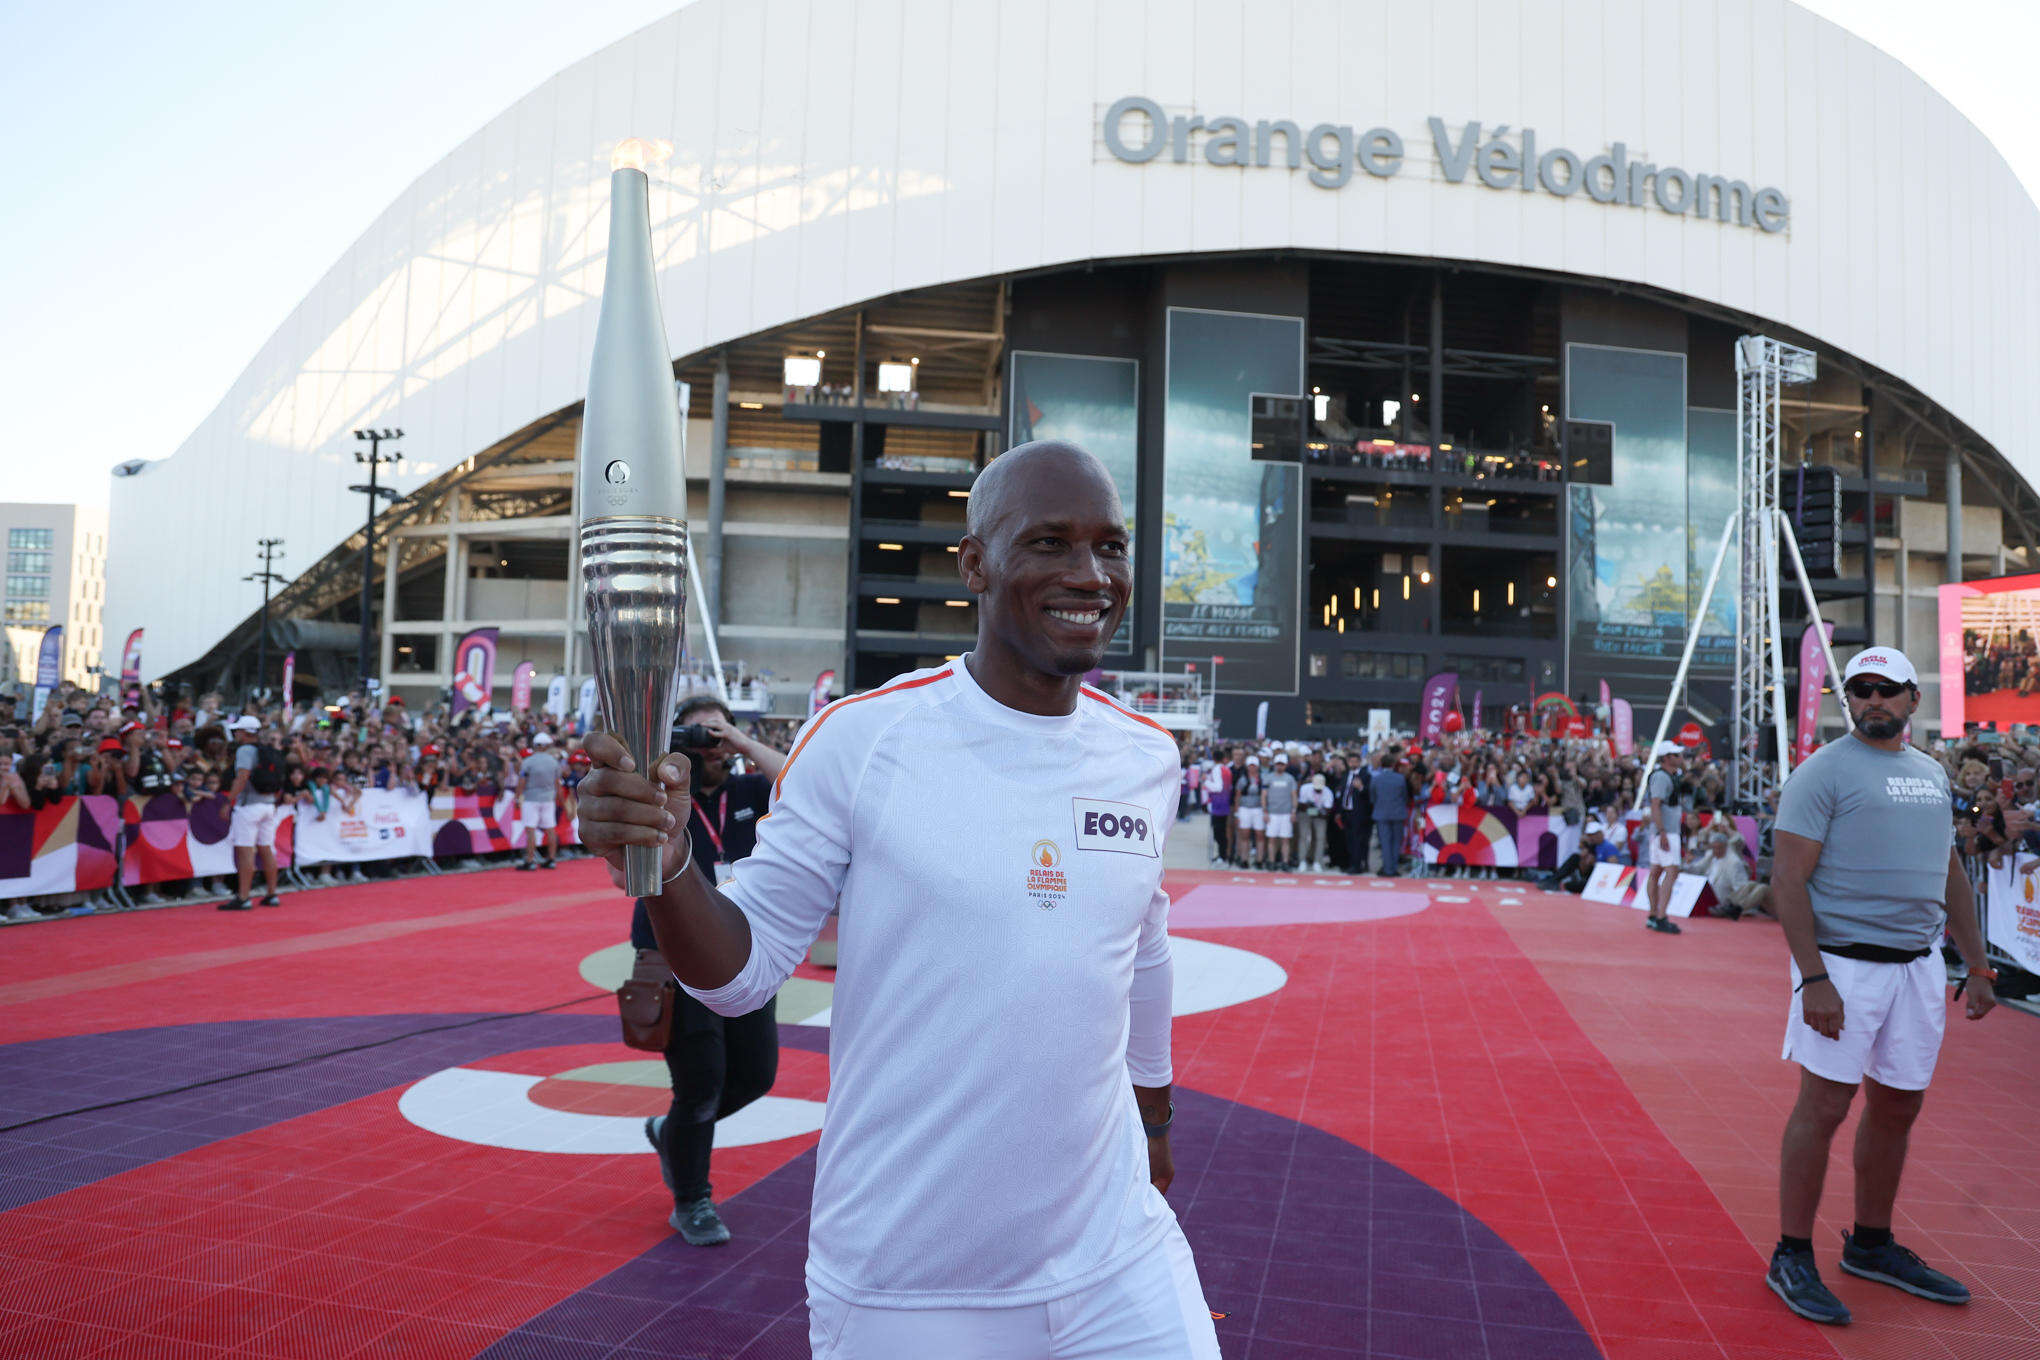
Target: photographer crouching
<point>717,1065</point>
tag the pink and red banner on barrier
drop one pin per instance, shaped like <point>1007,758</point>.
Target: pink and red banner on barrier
<point>77,844</point>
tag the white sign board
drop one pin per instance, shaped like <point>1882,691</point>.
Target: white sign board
<point>1610,883</point>
<point>1377,727</point>
<point>2012,910</point>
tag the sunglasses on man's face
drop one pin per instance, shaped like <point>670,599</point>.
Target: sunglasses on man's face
<point>1862,688</point>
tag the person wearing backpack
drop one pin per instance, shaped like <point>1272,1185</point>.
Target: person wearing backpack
<point>256,798</point>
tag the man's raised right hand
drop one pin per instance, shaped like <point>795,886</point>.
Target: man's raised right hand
<point>620,807</point>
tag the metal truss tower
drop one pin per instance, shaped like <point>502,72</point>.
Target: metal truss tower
<point>1762,366</point>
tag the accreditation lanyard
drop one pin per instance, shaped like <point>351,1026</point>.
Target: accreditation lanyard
<point>716,828</point>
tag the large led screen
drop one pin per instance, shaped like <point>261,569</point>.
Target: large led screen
<point>1232,527</point>
<point>1093,403</point>
<point>1990,653</point>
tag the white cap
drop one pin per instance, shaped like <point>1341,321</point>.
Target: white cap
<point>1888,662</point>
<point>541,740</point>
<point>1667,748</point>
<point>1594,828</point>
<point>247,722</point>
<point>1253,760</point>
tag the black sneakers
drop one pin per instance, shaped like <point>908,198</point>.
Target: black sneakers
<point>1794,1278</point>
<point>237,904</point>
<point>1891,1264</point>
<point>699,1225</point>
<point>653,1127</point>
<point>523,866</point>
<point>272,901</point>
<point>1664,925</point>
<point>548,864</point>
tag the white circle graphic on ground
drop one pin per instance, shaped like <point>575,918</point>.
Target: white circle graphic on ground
<point>495,1109</point>
<point>1209,976</point>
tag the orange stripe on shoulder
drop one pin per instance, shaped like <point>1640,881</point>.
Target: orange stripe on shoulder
<point>800,746</point>
<point>1121,708</point>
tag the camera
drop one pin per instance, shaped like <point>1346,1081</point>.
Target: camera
<point>693,737</point>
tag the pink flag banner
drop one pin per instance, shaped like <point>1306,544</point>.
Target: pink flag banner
<point>818,695</point>
<point>1812,670</point>
<point>131,660</point>
<point>474,670</point>
<point>1476,711</point>
<point>1623,719</point>
<point>289,675</point>
<point>1438,694</point>
<point>520,685</point>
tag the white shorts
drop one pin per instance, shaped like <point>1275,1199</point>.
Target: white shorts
<point>1663,859</point>
<point>1281,826</point>
<point>1892,1018</point>
<point>1249,819</point>
<point>255,824</point>
<point>538,816</point>
<point>1153,1309</point>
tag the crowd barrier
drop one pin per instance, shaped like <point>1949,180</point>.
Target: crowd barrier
<point>2011,910</point>
<point>1501,838</point>
<point>78,844</point>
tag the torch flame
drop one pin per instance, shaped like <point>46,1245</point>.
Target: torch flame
<point>636,153</point>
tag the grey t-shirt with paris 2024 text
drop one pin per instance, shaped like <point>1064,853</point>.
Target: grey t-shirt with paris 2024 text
<point>1885,827</point>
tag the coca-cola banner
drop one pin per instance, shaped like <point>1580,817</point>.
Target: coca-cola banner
<point>1812,670</point>
<point>1439,692</point>
<point>474,670</point>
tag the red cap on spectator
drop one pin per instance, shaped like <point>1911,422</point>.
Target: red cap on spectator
<point>397,700</point>
<point>523,751</point>
<point>428,749</point>
<point>580,758</point>
<point>175,744</point>
<point>110,744</point>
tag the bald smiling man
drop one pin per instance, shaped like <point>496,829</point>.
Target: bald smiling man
<point>996,1147</point>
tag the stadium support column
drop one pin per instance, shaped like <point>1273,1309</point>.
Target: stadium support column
<point>1869,442</point>
<point>718,459</point>
<point>1954,514</point>
<point>1435,397</point>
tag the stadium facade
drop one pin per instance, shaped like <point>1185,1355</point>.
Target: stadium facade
<point>1406,328</point>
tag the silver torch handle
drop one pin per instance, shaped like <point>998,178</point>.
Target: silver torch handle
<point>634,572</point>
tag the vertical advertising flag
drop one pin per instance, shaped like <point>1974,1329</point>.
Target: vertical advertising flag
<point>1623,719</point>
<point>818,696</point>
<point>556,696</point>
<point>1439,692</point>
<point>131,660</point>
<point>1812,670</point>
<point>520,686</point>
<point>1476,711</point>
<point>289,676</point>
<point>1607,698</point>
<point>1261,720</point>
<point>474,670</point>
<point>49,666</point>
<point>587,706</point>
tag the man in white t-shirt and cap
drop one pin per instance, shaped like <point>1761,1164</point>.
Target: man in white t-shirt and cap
<point>1661,835</point>
<point>1864,878</point>
<point>538,783</point>
<point>255,795</point>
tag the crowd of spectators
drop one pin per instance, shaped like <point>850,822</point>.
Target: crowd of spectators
<point>178,744</point>
<point>1317,806</point>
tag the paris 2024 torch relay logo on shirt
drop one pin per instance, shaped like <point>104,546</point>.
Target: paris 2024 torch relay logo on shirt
<point>1047,885</point>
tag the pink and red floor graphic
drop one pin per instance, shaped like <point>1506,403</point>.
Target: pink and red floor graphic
<point>1416,1119</point>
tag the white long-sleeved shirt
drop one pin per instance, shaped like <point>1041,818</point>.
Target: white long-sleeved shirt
<point>1002,983</point>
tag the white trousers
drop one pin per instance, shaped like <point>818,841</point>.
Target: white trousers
<point>1153,1309</point>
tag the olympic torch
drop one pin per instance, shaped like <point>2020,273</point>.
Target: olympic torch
<point>633,494</point>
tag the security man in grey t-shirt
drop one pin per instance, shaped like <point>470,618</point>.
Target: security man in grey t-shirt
<point>1864,878</point>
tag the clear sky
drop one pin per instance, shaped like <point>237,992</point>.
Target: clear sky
<point>181,175</point>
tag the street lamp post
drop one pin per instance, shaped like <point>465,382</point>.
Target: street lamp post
<point>375,492</point>
<point>270,549</point>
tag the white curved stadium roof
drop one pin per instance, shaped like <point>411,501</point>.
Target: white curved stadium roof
<point>832,151</point>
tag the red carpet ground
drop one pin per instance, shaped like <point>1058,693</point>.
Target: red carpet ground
<point>1417,1119</point>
